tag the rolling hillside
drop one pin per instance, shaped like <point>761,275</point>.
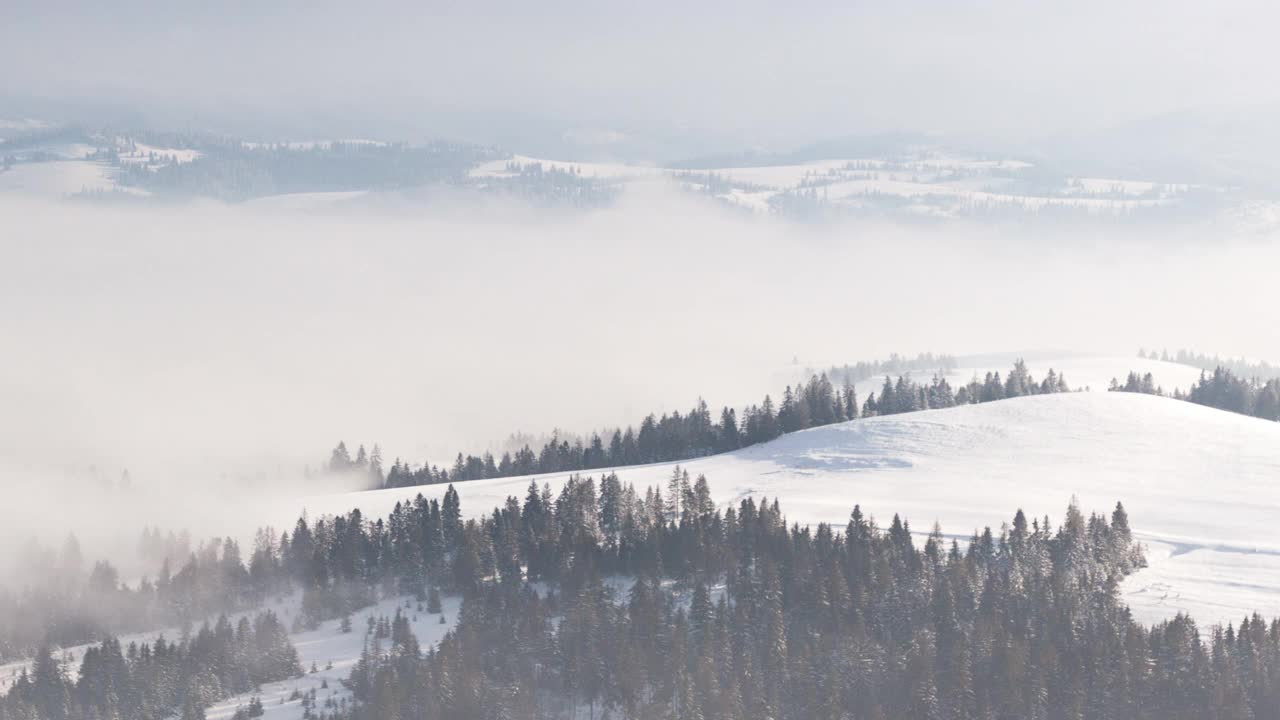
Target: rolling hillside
<point>1200,484</point>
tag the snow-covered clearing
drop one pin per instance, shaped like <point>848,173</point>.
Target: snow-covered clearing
<point>328,649</point>
<point>333,653</point>
<point>143,154</point>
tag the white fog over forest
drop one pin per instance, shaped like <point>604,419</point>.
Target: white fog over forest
<point>576,360</point>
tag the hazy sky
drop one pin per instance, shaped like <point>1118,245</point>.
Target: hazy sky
<point>754,70</point>
<point>218,336</point>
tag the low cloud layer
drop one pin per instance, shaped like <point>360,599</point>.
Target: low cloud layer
<point>207,346</point>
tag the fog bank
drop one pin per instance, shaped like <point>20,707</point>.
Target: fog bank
<point>207,346</point>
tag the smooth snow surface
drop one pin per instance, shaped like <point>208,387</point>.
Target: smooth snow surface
<point>1202,486</point>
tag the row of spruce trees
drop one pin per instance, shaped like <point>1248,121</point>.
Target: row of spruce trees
<point>737,614</point>
<point>676,436</point>
<point>1221,389</point>
<point>1240,366</point>
<point>62,604</point>
<point>161,679</point>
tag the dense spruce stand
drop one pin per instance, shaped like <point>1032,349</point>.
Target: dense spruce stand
<point>189,581</point>
<point>606,601</point>
<point>1221,389</point>
<point>159,679</point>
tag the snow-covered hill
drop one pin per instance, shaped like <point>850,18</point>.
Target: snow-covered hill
<point>1202,486</point>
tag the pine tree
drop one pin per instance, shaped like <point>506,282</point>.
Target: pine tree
<point>340,459</point>
<point>451,515</point>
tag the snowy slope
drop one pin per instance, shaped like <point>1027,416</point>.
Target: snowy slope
<point>330,651</point>
<point>1201,485</point>
<point>334,654</point>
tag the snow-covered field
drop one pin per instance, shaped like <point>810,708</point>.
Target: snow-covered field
<point>334,653</point>
<point>1200,484</point>
<point>143,154</point>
